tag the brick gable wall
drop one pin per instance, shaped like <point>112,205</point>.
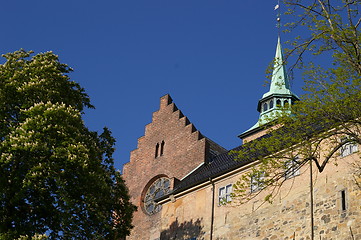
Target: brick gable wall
<point>184,149</point>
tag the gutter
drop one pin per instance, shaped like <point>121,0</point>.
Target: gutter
<point>173,196</point>
<point>212,211</point>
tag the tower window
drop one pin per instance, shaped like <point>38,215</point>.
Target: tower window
<point>162,148</point>
<point>265,107</point>
<point>285,103</point>
<point>156,150</point>
<point>159,149</point>
<point>271,104</point>
<point>278,103</point>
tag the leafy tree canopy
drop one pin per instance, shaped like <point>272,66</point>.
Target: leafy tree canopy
<point>328,116</point>
<point>56,176</point>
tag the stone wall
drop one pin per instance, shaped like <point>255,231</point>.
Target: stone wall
<point>288,217</point>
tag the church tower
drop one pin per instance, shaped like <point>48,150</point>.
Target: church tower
<point>276,100</point>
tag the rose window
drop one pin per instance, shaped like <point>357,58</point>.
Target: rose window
<point>159,187</point>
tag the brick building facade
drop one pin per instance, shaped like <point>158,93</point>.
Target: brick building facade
<point>170,148</point>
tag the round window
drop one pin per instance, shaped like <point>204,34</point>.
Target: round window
<point>158,188</point>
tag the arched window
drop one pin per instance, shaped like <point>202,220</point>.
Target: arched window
<point>271,104</point>
<point>156,150</point>
<point>278,103</point>
<point>265,106</point>
<point>162,148</point>
<point>158,188</point>
<point>285,103</point>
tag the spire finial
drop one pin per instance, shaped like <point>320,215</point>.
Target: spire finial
<point>278,25</point>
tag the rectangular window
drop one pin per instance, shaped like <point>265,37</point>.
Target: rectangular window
<point>343,200</point>
<point>292,168</point>
<point>348,148</point>
<point>257,182</point>
<point>224,194</point>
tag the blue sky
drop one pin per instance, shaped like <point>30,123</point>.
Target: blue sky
<point>209,55</point>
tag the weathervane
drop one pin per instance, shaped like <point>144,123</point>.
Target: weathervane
<point>278,25</point>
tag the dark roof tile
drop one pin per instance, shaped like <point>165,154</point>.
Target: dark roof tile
<point>219,165</point>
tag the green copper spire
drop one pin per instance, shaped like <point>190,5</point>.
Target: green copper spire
<point>279,83</point>
<point>278,96</point>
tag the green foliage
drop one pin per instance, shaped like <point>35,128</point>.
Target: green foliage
<point>331,108</point>
<point>35,237</point>
<point>329,28</point>
<point>56,177</point>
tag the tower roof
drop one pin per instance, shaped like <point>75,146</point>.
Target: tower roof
<point>279,82</point>
<point>278,96</point>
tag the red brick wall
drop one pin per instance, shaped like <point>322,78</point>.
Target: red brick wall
<point>184,149</point>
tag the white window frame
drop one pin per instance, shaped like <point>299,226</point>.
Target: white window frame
<point>292,168</point>
<point>348,148</point>
<point>256,182</point>
<point>224,194</point>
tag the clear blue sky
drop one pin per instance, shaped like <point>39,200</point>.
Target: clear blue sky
<point>209,55</point>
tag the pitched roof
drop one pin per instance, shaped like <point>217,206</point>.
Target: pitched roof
<point>225,162</point>
<point>219,165</point>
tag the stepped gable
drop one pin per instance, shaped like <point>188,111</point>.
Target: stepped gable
<point>171,147</point>
<point>178,134</point>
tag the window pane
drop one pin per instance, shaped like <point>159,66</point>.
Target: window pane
<point>166,183</point>
<point>348,148</point>
<point>221,191</point>
<point>228,188</point>
<point>278,103</point>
